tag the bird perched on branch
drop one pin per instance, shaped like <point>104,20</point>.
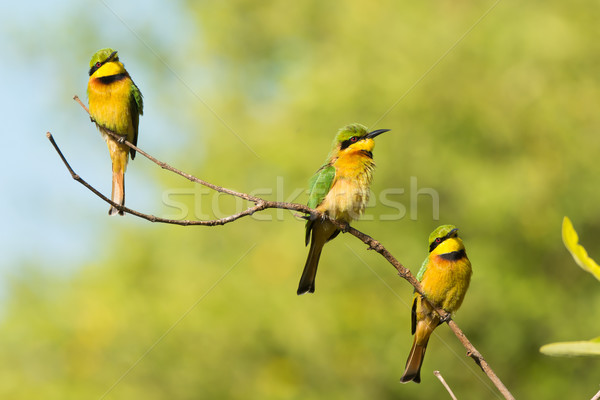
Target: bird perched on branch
<point>115,104</point>
<point>445,277</point>
<point>339,189</point>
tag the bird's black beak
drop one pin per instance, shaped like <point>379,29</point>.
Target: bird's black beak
<point>378,132</point>
<point>112,55</point>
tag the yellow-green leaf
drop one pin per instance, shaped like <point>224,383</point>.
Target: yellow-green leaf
<point>572,349</point>
<point>580,255</point>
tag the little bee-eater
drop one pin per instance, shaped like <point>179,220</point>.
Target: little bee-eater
<point>115,103</point>
<point>339,189</point>
<point>445,277</point>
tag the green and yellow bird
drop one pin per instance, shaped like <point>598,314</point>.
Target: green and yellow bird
<point>339,189</point>
<point>445,277</point>
<point>115,103</point>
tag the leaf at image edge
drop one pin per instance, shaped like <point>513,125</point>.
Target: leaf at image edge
<point>572,349</point>
<point>571,241</point>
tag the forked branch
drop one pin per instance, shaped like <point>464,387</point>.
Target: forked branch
<point>262,204</point>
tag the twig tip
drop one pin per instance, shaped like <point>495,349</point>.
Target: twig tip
<point>444,383</point>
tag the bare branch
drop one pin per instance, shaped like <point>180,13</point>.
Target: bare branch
<point>596,396</point>
<point>441,378</point>
<point>166,166</point>
<point>479,360</point>
<point>262,204</point>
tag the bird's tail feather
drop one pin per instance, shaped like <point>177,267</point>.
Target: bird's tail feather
<point>307,281</point>
<point>321,232</point>
<point>414,362</point>
<point>119,156</point>
<point>118,192</point>
<point>423,331</point>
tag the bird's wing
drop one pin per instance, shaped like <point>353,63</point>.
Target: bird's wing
<point>139,100</point>
<point>423,269</point>
<point>413,314</point>
<point>137,108</point>
<point>417,296</point>
<point>320,184</point>
<point>318,187</point>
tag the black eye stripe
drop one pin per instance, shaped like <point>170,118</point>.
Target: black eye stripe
<point>96,66</point>
<point>101,63</point>
<point>436,243</point>
<point>350,141</point>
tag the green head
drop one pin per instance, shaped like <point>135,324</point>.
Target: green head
<point>101,57</point>
<point>348,131</point>
<point>355,137</point>
<point>441,234</point>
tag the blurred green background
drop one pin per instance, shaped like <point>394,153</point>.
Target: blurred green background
<point>246,94</point>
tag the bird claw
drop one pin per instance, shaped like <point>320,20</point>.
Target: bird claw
<point>446,317</point>
<point>121,139</point>
<point>346,227</point>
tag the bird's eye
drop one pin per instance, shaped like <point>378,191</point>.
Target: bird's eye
<point>437,240</point>
<point>98,64</point>
<point>353,139</point>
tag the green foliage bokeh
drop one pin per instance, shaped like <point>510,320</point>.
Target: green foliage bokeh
<point>505,129</point>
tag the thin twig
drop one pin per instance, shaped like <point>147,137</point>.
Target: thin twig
<point>166,166</point>
<point>441,378</point>
<point>479,360</point>
<point>260,205</point>
<point>596,396</point>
